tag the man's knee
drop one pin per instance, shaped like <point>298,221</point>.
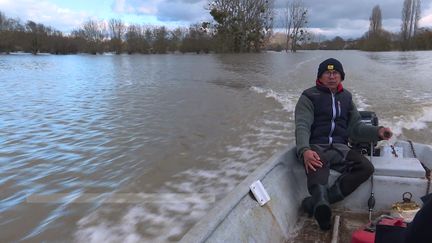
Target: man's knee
<point>370,168</point>
<point>361,163</point>
<point>367,168</point>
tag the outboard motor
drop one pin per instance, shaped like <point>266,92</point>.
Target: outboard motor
<point>370,118</point>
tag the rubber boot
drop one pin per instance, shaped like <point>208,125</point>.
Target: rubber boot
<point>308,206</point>
<point>334,193</point>
<point>321,209</point>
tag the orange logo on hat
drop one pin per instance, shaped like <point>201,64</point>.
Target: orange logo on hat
<point>330,67</point>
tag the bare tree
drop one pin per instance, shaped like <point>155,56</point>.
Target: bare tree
<point>376,39</point>
<point>134,39</point>
<point>36,33</point>
<point>375,21</point>
<point>197,39</point>
<point>175,39</point>
<point>160,44</point>
<point>295,20</point>
<point>3,21</point>
<point>5,34</point>
<point>410,16</point>
<point>117,30</point>
<point>149,38</point>
<point>242,25</point>
<point>94,33</point>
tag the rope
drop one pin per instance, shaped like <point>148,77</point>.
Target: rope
<point>371,200</point>
<point>427,170</point>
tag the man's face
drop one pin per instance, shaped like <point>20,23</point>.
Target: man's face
<point>331,79</point>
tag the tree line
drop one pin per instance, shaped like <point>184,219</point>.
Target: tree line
<point>237,26</point>
<point>97,37</point>
<point>295,20</point>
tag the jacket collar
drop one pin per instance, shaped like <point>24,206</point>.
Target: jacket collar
<point>321,86</point>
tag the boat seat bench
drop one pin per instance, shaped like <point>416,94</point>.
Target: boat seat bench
<point>391,174</point>
<point>402,167</point>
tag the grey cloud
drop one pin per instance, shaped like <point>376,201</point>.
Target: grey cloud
<point>128,6</point>
<point>352,15</point>
<point>188,1</point>
<point>322,14</point>
<point>349,18</point>
<point>326,14</point>
<point>166,10</point>
<point>186,11</point>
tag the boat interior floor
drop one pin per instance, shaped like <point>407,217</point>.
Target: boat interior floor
<point>308,231</point>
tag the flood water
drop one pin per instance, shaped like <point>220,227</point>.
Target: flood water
<point>138,148</point>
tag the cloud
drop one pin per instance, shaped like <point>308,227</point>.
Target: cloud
<point>328,14</point>
<point>164,10</point>
<point>348,19</point>
<point>135,7</point>
<point>345,28</point>
<point>426,20</point>
<point>351,18</point>
<point>335,18</point>
<point>42,11</point>
<point>190,11</point>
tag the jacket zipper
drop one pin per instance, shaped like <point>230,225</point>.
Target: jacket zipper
<point>333,119</point>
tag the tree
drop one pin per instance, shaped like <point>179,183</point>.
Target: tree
<point>375,26</point>
<point>295,20</point>
<point>36,33</point>
<point>242,25</point>
<point>410,17</point>
<point>3,21</point>
<point>175,39</point>
<point>424,39</point>
<point>160,44</point>
<point>134,39</point>
<point>313,41</point>
<point>6,34</point>
<point>376,39</point>
<point>337,43</point>
<point>93,33</point>
<point>117,30</point>
<point>197,39</point>
<point>149,38</point>
<point>58,44</point>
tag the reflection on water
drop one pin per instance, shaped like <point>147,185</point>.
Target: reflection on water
<point>81,130</point>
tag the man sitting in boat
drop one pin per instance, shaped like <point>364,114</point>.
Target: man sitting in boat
<point>325,117</point>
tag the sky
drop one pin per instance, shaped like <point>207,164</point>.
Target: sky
<point>345,18</point>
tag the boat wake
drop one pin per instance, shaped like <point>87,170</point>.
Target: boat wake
<point>287,100</point>
<point>417,122</point>
<point>169,220</point>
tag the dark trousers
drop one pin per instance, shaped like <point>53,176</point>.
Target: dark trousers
<point>355,170</point>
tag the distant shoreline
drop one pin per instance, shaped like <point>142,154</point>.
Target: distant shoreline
<point>186,53</point>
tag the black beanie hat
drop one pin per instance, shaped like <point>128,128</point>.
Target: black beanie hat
<point>331,64</point>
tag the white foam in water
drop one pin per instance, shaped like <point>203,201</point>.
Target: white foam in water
<point>417,122</point>
<point>158,226</point>
<point>360,101</point>
<point>166,222</point>
<point>286,99</point>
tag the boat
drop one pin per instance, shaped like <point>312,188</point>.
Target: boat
<point>240,218</point>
